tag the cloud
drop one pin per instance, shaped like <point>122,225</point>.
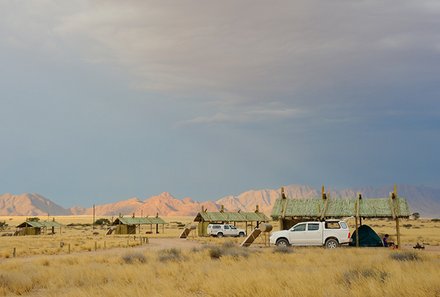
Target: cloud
<point>245,117</point>
<point>301,54</point>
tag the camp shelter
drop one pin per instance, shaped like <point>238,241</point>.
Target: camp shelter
<point>367,237</point>
<point>128,225</point>
<point>289,211</point>
<point>37,227</point>
<point>204,218</point>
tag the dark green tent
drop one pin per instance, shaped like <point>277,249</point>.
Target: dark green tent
<point>367,238</point>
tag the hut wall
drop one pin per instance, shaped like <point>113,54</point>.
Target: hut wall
<point>125,229</point>
<point>29,231</point>
<point>202,228</point>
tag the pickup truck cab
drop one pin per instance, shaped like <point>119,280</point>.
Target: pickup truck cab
<point>220,230</point>
<point>330,234</point>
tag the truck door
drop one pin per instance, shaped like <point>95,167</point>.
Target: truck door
<point>227,230</point>
<point>313,235</point>
<point>297,234</point>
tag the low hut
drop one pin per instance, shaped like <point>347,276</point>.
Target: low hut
<point>37,228</point>
<point>290,211</point>
<point>128,225</point>
<point>204,218</point>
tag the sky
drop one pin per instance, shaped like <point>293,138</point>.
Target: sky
<point>105,100</point>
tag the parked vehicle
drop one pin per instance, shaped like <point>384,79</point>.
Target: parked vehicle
<point>221,230</point>
<point>330,234</point>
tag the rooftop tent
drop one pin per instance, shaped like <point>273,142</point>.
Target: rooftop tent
<point>367,237</point>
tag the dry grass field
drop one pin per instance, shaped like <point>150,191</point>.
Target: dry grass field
<point>213,267</point>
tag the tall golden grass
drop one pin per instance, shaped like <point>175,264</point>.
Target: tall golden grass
<point>236,272</point>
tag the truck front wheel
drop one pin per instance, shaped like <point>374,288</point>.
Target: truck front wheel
<point>282,242</point>
<point>331,243</point>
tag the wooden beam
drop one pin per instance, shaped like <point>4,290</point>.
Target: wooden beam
<point>357,219</point>
<point>398,232</point>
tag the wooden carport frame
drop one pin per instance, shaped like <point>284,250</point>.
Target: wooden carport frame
<point>322,208</point>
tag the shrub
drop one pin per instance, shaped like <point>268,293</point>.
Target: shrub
<point>228,249</point>
<point>102,221</point>
<point>283,250</point>
<point>405,256</point>
<point>360,274</point>
<point>407,225</point>
<point>172,255</point>
<point>134,257</point>
<point>435,220</point>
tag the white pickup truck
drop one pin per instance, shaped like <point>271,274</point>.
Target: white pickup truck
<point>330,234</point>
<point>221,230</point>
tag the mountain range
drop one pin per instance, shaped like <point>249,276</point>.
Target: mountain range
<point>422,199</point>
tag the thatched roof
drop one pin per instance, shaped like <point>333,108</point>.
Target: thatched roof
<point>338,208</point>
<point>39,224</point>
<point>138,221</point>
<point>205,216</point>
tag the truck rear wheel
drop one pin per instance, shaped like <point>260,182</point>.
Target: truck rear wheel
<point>331,243</point>
<point>241,234</point>
<point>219,234</point>
<point>282,242</point>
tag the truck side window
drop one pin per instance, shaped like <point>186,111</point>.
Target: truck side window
<point>332,225</point>
<point>343,225</point>
<point>226,227</point>
<point>312,227</point>
<point>301,227</point>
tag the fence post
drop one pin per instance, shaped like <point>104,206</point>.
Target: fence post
<point>14,252</point>
<point>68,249</point>
<point>96,245</point>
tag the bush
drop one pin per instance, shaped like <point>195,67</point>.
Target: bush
<point>34,219</point>
<point>134,257</point>
<point>173,255</point>
<point>360,274</point>
<point>102,221</point>
<point>228,249</point>
<point>283,249</point>
<point>405,256</point>
<point>435,220</point>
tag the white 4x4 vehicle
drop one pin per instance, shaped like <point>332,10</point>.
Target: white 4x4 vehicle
<point>221,230</point>
<point>328,233</point>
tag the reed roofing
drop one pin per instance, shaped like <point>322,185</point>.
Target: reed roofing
<point>339,207</point>
<point>138,221</point>
<point>231,217</point>
<point>38,224</point>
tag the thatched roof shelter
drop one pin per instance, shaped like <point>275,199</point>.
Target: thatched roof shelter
<point>204,218</point>
<point>127,225</point>
<point>290,211</point>
<point>37,227</point>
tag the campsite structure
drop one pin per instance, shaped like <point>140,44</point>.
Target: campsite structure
<point>290,211</point>
<point>204,218</point>
<point>128,225</point>
<point>32,227</point>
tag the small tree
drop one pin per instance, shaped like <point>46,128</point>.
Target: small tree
<point>102,221</point>
<point>416,215</point>
<point>3,225</point>
<point>34,219</point>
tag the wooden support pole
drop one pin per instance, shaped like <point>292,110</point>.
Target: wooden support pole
<point>357,232</point>
<point>96,245</point>
<point>398,232</point>
<point>14,252</point>
<point>68,248</point>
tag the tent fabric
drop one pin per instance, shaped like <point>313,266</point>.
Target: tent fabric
<point>367,237</point>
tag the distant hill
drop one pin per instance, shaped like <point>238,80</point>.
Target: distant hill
<point>424,200</point>
<point>29,204</point>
